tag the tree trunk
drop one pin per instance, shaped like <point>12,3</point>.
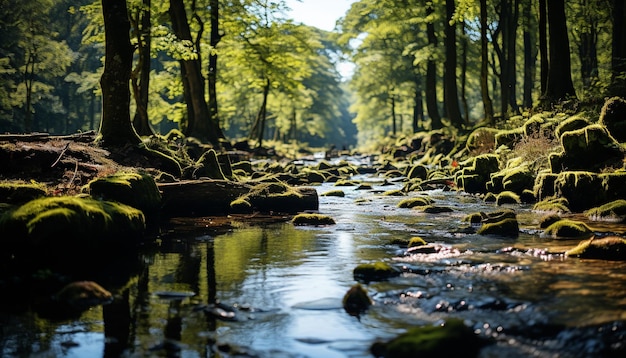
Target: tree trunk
<point>197,109</point>
<point>451,97</point>
<point>560,86</point>
<point>418,108</point>
<point>115,127</point>
<point>141,88</point>
<point>214,120</point>
<point>529,57</point>
<point>431,76</point>
<point>543,46</point>
<point>484,62</point>
<point>258,128</point>
<point>618,60</point>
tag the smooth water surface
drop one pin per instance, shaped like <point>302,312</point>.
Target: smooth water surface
<point>279,288</point>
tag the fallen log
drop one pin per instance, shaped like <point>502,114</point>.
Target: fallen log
<point>214,197</point>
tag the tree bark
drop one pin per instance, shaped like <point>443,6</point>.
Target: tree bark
<point>141,81</point>
<point>618,59</point>
<point>484,62</point>
<point>115,127</point>
<point>560,86</point>
<point>214,120</point>
<point>431,76</point>
<point>451,96</point>
<point>543,46</point>
<point>529,57</point>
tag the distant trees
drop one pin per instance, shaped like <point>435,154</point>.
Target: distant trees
<point>420,64</point>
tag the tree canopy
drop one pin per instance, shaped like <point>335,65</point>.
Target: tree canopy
<point>229,70</point>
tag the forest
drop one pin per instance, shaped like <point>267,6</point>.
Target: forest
<point>242,70</point>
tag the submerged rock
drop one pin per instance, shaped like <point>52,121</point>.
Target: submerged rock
<point>356,300</point>
<point>607,248</point>
<point>375,272</point>
<point>452,338</point>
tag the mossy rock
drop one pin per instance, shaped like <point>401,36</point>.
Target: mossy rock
<point>518,179</point>
<point>338,193</point>
<point>552,205</point>
<point>612,211</point>
<point>507,227</point>
<point>356,300</point>
<point>566,228</point>
<point>377,271</point>
<point>508,197</point>
<point>583,190</point>
<point>614,184</point>
<point>434,209</point>
<point>344,182</point>
<point>509,137</point>
<point>572,123</point>
<point>474,218</point>
<point>395,192</point>
<point>607,248</point>
<point>613,117</point>
<point>416,241</point>
<point>591,148</point>
<point>450,339</point>
<point>52,230</point>
<point>277,196</point>
<point>20,193</point>
<point>241,206</point>
<point>415,202</point>
<point>481,140</point>
<point>418,171</point>
<point>138,190</point>
<point>490,198</point>
<point>312,219</point>
<point>244,165</point>
<point>548,220</point>
<point>544,185</point>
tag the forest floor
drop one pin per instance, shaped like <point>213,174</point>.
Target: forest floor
<point>63,163</point>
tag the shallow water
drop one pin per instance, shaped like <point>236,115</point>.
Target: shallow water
<point>280,287</point>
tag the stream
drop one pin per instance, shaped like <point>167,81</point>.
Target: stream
<point>272,289</point>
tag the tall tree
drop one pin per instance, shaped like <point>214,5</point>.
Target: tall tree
<point>530,54</point>
<point>543,46</point>
<point>618,62</point>
<point>198,124</point>
<point>560,86</point>
<point>214,39</point>
<point>451,96</point>
<point>115,127</point>
<point>431,72</point>
<point>140,76</point>
<point>484,63</point>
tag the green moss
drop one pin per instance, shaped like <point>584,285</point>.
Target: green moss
<point>432,209</point>
<point>552,205</point>
<point>567,228</point>
<point>339,193</point>
<point>396,192</point>
<point>608,248</point>
<point>413,202</point>
<point>20,193</point>
<point>241,206</point>
<point>508,197</point>
<point>375,272</point>
<point>344,182</point>
<point>548,220</point>
<point>60,222</point>
<point>450,339</point>
<point>505,227</point>
<point>613,211</point>
<point>312,219</point>
<point>416,241</point>
<point>474,218</point>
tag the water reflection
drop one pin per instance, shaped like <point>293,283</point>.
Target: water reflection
<point>273,290</point>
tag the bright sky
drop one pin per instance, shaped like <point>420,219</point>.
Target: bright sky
<point>322,14</point>
<point>319,13</point>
